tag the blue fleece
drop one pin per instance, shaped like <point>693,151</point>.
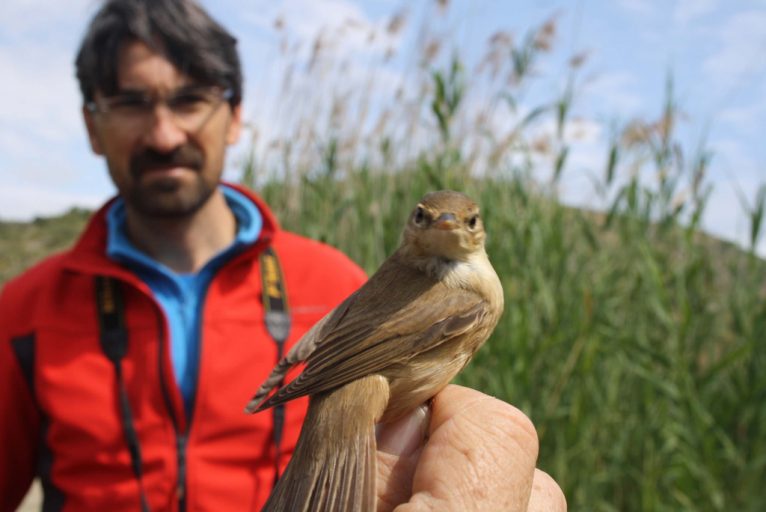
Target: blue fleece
<point>181,296</point>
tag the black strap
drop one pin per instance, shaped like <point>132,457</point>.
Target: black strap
<point>277,319</point>
<point>114,343</point>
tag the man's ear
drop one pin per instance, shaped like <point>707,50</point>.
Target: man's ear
<point>90,125</point>
<point>235,126</point>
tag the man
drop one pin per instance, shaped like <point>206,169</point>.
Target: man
<point>125,362</point>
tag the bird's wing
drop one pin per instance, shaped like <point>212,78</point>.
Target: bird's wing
<point>396,315</point>
<point>300,352</point>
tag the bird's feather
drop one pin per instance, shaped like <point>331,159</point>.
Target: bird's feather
<point>348,346</point>
<point>387,349</point>
<point>329,479</point>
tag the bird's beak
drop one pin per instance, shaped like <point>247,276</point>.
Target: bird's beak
<point>446,221</point>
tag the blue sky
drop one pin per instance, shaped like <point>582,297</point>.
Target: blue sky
<point>714,49</point>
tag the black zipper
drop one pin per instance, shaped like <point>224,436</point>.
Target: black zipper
<point>181,437</point>
<point>181,440</point>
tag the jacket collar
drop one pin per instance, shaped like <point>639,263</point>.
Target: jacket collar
<point>88,255</point>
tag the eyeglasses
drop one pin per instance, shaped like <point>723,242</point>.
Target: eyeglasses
<point>191,107</point>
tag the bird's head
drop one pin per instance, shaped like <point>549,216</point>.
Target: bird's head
<point>445,225</point>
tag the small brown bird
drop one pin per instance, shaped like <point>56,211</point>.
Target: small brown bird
<point>387,349</point>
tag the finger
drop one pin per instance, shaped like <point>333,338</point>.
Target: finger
<point>399,446</point>
<point>480,455</point>
<point>546,494</point>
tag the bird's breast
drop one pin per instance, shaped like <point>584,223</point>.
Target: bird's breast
<point>423,376</point>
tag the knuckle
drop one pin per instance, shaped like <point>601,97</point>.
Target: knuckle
<point>546,494</point>
<point>514,423</point>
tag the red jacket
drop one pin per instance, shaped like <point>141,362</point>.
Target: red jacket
<point>59,412</point>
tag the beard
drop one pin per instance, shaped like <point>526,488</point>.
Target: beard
<point>156,194</point>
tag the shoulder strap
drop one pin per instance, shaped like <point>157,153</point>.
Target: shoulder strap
<point>111,318</point>
<point>277,319</point>
<point>114,343</point>
<point>274,298</point>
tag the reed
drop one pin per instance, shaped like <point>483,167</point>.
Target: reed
<point>631,339</point>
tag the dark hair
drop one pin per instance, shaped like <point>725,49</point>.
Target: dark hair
<point>180,30</point>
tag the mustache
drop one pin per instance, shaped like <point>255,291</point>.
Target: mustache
<point>183,156</point>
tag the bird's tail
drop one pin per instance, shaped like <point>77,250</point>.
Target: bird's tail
<point>333,466</point>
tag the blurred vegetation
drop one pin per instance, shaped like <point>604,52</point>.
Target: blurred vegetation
<point>24,243</point>
<point>631,339</point>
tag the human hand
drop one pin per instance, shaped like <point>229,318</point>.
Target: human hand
<point>479,455</point>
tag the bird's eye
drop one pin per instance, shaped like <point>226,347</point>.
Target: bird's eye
<point>420,215</point>
<point>473,221</point>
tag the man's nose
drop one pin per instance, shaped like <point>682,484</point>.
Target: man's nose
<point>163,132</point>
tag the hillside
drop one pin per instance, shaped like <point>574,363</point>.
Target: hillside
<point>24,243</point>
<point>635,346</point>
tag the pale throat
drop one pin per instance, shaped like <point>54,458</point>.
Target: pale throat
<point>185,244</point>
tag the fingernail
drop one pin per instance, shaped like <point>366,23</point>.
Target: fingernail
<point>406,435</point>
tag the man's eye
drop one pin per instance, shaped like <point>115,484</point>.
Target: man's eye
<point>188,101</point>
<point>127,102</point>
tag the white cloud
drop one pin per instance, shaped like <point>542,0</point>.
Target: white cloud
<point>335,25</point>
<point>638,6</point>
<point>737,163</point>
<point>38,93</point>
<point>690,10</point>
<point>747,119</point>
<point>742,43</point>
<point>306,18</point>
<point>615,93</point>
<point>20,17</point>
<point>15,145</point>
<point>736,177</point>
<point>39,127</point>
<point>23,203</point>
<point>349,72</point>
<point>39,101</point>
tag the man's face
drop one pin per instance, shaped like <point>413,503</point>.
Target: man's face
<point>162,164</point>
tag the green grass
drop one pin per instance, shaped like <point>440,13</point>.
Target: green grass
<point>24,243</point>
<point>635,350</point>
<point>631,339</point>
